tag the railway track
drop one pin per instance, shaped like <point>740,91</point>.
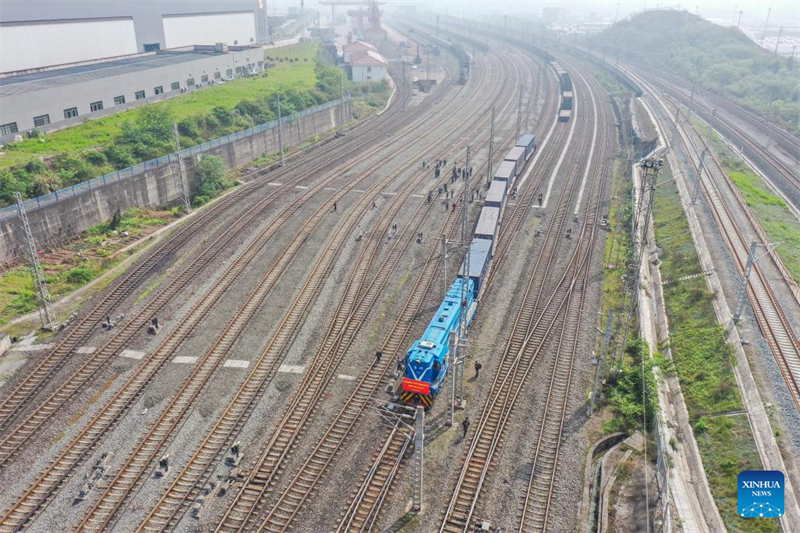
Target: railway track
<point>128,477</point>
<point>282,513</point>
<point>250,498</point>
<point>537,500</point>
<point>33,500</point>
<point>377,482</point>
<point>537,318</point>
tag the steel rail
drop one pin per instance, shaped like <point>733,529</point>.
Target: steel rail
<point>43,488</point>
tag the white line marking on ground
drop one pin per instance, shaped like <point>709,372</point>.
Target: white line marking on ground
<point>304,187</point>
<point>359,191</point>
<point>31,347</point>
<point>539,148</point>
<point>591,152</point>
<point>418,196</point>
<point>236,363</point>
<point>185,359</point>
<point>330,189</point>
<point>275,184</point>
<point>346,377</point>
<point>86,349</point>
<point>389,193</point>
<point>291,369</point>
<point>131,354</point>
<point>566,148</point>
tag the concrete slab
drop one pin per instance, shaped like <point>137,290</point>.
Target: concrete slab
<point>236,363</point>
<point>131,354</point>
<point>291,369</point>
<point>31,347</point>
<point>185,359</point>
<point>86,349</point>
<point>345,377</point>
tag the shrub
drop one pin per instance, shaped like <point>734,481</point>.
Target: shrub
<point>46,183</point>
<point>210,173</point>
<point>9,184</point>
<point>119,157</point>
<point>701,426</point>
<point>96,158</point>
<point>79,275</point>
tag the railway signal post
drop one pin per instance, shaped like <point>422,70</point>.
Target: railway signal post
<point>46,314</point>
<point>419,463</point>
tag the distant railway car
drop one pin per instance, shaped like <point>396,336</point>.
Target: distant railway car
<point>496,194</point>
<point>566,100</point>
<point>427,359</point>
<point>506,172</point>
<point>564,114</point>
<point>480,256</point>
<point>517,156</point>
<point>528,142</point>
<point>488,222</point>
<point>565,81</point>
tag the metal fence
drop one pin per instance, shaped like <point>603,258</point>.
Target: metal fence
<point>95,183</point>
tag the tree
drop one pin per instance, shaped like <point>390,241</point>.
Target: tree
<point>9,184</point>
<point>210,174</point>
<point>150,135</point>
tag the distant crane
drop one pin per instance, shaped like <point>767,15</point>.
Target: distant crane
<point>372,12</point>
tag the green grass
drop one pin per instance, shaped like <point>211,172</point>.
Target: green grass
<point>101,132</point>
<point>88,258</point>
<point>703,361</point>
<point>727,448</point>
<point>771,211</point>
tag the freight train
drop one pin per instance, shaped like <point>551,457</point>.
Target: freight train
<point>426,362</point>
<point>565,84</point>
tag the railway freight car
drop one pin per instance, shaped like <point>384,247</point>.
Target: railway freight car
<point>488,222</point>
<point>427,360</point>
<point>506,172</point>
<point>564,115</point>
<point>517,156</point>
<point>528,142</point>
<point>566,100</point>
<point>496,195</point>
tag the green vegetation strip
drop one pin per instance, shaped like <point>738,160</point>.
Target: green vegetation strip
<point>78,263</point>
<point>777,221</point>
<point>703,361</point>
<point>721,59</point>
<point>46,163</point>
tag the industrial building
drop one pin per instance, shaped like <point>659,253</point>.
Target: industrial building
<point>58,98</point>
<point>364,62</point>
<point>46,33</point>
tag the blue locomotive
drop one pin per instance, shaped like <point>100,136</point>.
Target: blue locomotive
<point>427,361</point>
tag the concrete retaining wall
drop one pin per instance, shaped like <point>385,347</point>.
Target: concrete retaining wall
<point>66,219</point>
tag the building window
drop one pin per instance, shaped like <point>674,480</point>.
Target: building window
<point>119,100</point>
<point>190,82</point>
<point>229,73</point>
<point>217,75</point>
<point>158,90</point>
<point>7,129</point>
<point>41,120</point>
<point>369,69</point>
<point>235,42</point>
<point>204,78</point>
<point>72,112</point>
<point>139,95</point>
<point>176,85</point>
<point>96,106</point>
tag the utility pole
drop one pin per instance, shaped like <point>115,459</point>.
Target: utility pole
<point>519,111</point>
<point>616,15</point>
<point>419,460</point>
<point>677,122</point>
<point>280,130</point>
<point>465,238</point>
<point>182,186</point>
<point>444,265</point>
<point>489,175</point>
<point>740,298</point>
<point>780,32</point>
<point>696,191</point>
<point>740,19</point>
<point>46,314</point>
<point>437,26</point>
<point>428,64</point>
<point>600,372</point>
<point>766,24</point>
<point>451,354</point>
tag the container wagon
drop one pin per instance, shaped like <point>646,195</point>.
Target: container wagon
<point>505,172</point>
<point>566,100</point>
<point>496,194</point>
<point>517,156</point>
<point>488,222</point>
<point>564,114</point>
<point>528,142</point>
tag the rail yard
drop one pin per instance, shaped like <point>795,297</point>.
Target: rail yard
<point>456,311</point>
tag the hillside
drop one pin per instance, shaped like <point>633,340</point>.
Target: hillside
<point>719,59</point>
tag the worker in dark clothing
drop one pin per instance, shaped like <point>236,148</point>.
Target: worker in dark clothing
<point>436,173</point>
<point>478,367</point>
<point>446,207</point>
<point>374,205</point>
<point>445,188</point>
<point>378,356</point>
<point>429,197</point>
<point>465,426</point>
<point>399,364</point>
<point>540,199</point>
<point>334,207</point>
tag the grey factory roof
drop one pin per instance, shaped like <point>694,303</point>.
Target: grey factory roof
<point>66,76</point>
